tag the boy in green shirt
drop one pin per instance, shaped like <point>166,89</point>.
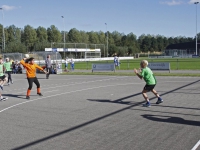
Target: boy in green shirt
<point>3,79</point>
<point>8,70</point>
<point>147,75</point>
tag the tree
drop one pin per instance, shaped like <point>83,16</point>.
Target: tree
<point>93,37</point>
<point>84,37</point>
<point>13,47</point>
<point>154,44</point>
<point>74,36</point>
<point>117,38</point>
<point>41,34</point>
<point>101,37</point>
<point>54,34</point>
<point>160,43</point>
<point>30,37</point>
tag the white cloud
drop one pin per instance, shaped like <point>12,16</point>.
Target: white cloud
<point>173,2</point>
<point>193,1</point>
<point>7,8</point>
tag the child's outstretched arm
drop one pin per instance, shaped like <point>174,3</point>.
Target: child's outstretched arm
<point>136,72</point>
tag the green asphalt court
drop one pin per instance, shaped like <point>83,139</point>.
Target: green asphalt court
<point>88,112</point>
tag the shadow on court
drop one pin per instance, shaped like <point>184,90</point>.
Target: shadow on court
<point>169,119</point>
<point>15,96</point>
<point>118,101</point>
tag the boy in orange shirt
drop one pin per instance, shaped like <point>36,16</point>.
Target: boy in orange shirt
<point>31,67</point>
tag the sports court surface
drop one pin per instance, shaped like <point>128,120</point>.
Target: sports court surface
<point>100,112</point>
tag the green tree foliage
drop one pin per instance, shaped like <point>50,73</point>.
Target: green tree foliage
<point>30,39</point>
<point>41,34</point>
<point>54,34</point>
<point>13,47</point>
<point>93,37</point>
<point>74,36</point>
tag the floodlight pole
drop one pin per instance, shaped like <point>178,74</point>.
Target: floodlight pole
<point>196,25</point>
<point>107,39</point>
<point>3,39</point>
<point>64,34</point>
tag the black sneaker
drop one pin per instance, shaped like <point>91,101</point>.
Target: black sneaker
<point>40,94</point>
<point>27,97</point>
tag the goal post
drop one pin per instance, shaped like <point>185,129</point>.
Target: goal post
<point>91,54</point>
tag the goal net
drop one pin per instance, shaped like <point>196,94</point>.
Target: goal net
<point>92,54</point>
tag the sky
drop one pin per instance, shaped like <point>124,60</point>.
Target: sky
<point>169,18</point>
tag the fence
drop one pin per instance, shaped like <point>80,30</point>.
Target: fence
<point>175,64</point>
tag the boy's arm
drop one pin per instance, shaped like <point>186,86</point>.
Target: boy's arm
<point>136,72</point>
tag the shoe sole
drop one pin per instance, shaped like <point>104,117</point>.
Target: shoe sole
<point>158,102</point>
<point>146,105</point>
<point>39,95</point>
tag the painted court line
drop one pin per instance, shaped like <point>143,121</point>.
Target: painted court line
<point>65,93</point>
<point>196,146</point>
<point>76,83</point>
<point>50,91</point>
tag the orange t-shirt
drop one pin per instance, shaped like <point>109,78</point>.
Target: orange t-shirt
<point>30,69</point>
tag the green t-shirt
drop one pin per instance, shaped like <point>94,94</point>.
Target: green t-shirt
<point>7,65</point>
<point>1,70</point>
<point>148,76</point>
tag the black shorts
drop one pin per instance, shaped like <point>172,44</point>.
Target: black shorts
<point>149,87</point>
<point>2,77</point>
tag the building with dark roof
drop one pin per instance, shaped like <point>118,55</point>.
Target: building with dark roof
<point>188,48</point>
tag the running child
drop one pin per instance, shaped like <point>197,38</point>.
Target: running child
<point>8,70</point>
<point>3,78</point>
<point>31,67</point>
<point>146,74</point>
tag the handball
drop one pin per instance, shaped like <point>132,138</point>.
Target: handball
<point>26,55</point>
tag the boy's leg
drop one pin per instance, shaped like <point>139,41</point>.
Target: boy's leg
<point>148,104</point>
<point>3,81</point>
<point>9,77</point>
<point>145,95</point>
<point>155,93</point>
<point>160,100</point>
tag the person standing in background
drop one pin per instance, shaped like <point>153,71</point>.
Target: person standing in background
<point>48,66</point>
<point>8,70</point>
<point>66,64</point>
<point>72,64</point>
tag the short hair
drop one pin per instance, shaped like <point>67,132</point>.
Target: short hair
<point>145,62</point>
<point>30,59</point>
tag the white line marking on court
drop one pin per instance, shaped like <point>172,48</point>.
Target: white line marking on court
<point>76,83</point>
<point>196,146</point>
<point>63,94</point>
<point>50,91</point>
